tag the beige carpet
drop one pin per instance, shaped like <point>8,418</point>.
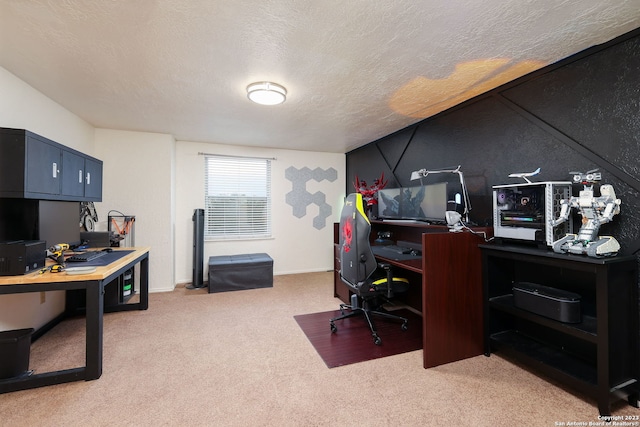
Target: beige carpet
<point>240,359</point>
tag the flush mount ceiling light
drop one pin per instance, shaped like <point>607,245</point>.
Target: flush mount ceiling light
<point>266,93</point>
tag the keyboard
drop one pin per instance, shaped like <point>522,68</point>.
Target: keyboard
<point>86,256</point>
<point>396,249</point>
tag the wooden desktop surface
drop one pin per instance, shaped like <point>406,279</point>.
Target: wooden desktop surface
<point>100,273</point>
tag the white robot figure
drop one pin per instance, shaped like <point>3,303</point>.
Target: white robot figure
<point>595,211</point>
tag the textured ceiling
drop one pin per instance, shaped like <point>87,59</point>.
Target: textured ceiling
<point>355,70</point>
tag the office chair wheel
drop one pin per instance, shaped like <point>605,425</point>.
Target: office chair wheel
<point>333,328</point>
<point>377,340</point>
<point>404,326</point>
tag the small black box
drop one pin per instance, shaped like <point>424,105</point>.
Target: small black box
<point>96,239</point>
<point>22,256</point>
<point>556,304</point>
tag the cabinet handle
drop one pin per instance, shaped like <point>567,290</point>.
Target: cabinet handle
<point>80,176</point>
<point>55,170</point>
<point>88,178</point>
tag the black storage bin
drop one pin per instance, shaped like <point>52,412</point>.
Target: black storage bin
<point>15,348</point>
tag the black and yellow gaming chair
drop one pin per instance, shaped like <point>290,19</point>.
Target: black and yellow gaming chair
<point>358,265</point>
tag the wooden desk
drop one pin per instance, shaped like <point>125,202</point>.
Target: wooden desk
<point>451,292</point>
<point>452,297</point>
<point>94,284</point>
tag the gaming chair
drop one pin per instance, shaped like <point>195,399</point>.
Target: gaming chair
<point>358,265</point>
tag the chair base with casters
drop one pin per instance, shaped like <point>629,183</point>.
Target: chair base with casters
<point>369,309</point>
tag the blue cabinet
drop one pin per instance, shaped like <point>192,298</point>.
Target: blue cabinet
<point>34,167</point>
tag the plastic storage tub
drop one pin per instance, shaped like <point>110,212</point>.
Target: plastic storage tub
<point>15,348</point>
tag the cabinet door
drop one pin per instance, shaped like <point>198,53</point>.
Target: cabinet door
<point>81,177</point>
<point>12,164</point>
<point>72,174</point>
<point>43,167</point>
<point>93,180</point>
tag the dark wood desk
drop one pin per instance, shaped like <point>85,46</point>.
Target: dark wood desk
<point>450,297</point>
<point>94,284</point>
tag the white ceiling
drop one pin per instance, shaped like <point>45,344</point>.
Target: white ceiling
<point>355,70</point>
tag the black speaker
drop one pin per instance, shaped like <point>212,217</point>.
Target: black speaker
<point>556,304</point>
<point>198,249</point>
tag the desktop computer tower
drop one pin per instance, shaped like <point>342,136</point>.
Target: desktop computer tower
<point>21,257</point>
<point>523,212</point>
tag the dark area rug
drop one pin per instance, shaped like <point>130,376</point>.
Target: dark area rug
<point>353,343</point>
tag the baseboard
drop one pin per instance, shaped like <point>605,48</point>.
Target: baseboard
<point>183,283</point>
<point>47,326</point>
<point>284,273</point>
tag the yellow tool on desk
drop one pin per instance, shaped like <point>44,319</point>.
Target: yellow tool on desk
<point>56,253</point>
<point>56,268</point>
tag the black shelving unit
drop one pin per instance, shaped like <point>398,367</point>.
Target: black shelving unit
<point>599,355</point>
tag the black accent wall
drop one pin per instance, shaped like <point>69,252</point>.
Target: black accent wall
<point>579,114</point>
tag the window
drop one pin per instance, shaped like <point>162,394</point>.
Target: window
<point>237,198</point>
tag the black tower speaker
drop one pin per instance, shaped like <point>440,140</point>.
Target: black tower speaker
<point>198,249</point>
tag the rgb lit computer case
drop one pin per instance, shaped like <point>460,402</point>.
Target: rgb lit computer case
<point>522,211</point>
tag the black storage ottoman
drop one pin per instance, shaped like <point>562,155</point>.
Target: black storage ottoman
<point>239,272</point>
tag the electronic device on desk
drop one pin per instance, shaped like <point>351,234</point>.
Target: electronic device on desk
<point>87,256</point>
<point>21,256</point>
<point>384,238</point>
<point>422,203</point>
<point>401,248</point>
<point>427,202</point>
<point>398,250</point>
<point>524,211</point>
<point>96,239</point>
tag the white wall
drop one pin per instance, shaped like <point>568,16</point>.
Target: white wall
<point>138,179</point>
<point>23,107</point>
<point>297,246</point>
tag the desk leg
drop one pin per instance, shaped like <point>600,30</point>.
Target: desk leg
<point>94,319</point>
<point>144,284</point>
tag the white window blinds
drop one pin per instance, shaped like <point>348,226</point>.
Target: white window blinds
<point>237,197</point>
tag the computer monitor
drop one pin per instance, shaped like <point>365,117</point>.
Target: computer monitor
<point>30,219</point>
<point>424,203</point>
<point>389,203</point>
<point>59,222</point>
<point>434,202</point>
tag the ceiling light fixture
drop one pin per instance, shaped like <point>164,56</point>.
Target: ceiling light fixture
<point>266,93</point>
